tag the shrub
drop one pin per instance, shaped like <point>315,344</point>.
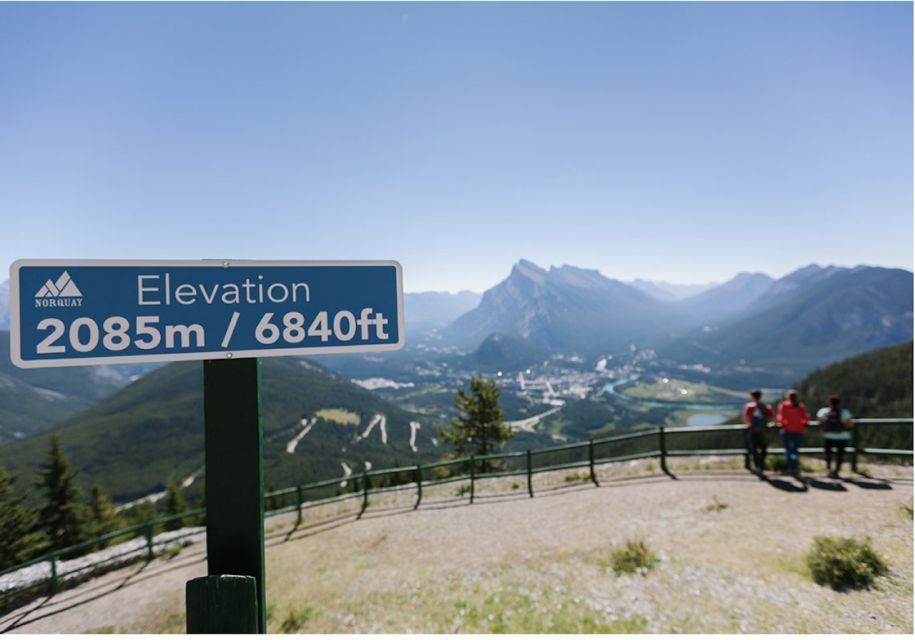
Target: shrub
<point>171,552</point>
<point>844,563</point>
<point>575,477</point>
<point>716,505</point>
<point>634,556</point>
<point>296,618</point>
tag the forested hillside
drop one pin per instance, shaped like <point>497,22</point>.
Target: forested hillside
<point>877,384</point>
<point>33,400</point>
<point>133,442</point>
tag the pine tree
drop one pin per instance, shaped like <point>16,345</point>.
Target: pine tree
<point>479,430</point>
<point>21,540</point>
<point>174,505</point>
<point>143,512</point>
<point>105,519</point>
<point>64,516</point>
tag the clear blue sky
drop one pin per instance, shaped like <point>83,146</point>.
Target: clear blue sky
<point>681,142</point>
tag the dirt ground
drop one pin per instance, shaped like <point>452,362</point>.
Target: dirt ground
<point>731,559</point>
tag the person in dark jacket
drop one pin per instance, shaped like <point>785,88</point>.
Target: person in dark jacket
<point>836,423</point>
<point>759,419</point>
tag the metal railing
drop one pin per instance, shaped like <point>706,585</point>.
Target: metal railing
<point>658,442</point>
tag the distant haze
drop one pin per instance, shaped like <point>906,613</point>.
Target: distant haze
<point>671,141</point>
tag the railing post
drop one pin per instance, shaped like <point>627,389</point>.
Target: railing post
<point>663,446</point>
<point>365,492</point>
<point>855,443</point>
<point>473,468</point>
<point>150,534</point>
<point>298,504</point>
<point>747,448</point>
<point>55,586</point>
<point>530,479</point>
<point>591,462</point>
<point>419,486</point>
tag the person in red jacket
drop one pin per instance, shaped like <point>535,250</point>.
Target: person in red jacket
<point>793,417</point>
<point>759,418</point>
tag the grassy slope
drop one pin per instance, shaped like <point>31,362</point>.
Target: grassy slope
<point>131,443</point>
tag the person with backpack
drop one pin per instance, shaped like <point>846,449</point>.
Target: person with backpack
<point>759,419</point>
<point>793,417</point>
<point>836,423</point>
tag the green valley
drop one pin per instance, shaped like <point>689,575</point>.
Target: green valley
<point>134,441</point>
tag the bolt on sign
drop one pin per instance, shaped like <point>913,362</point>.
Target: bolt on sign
<point>78,312</point>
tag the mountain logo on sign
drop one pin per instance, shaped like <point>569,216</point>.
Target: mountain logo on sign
<point>60,293</point>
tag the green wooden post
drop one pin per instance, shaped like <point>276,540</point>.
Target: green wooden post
<point>365,492</point>
<point>298,504</point>
<point>591,462</point>
<point>419,486</point>
<point>150,532</point>
<point>222,604</point>
<point>234,453</point>
<point>473,470</point>
<point>530,475</point>
<point>855,443</point>
<point>663,445</point>
<point>55,586</point>
<point>748,444</point>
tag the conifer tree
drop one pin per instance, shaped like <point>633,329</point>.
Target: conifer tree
<point>105,519</point>
<point>143,512</point>
<point>64,517</point>
<point>479,430</point>
<point>21,540</point>
<point>175,504</point>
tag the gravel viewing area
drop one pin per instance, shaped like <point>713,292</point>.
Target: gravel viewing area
<point>730,552</point>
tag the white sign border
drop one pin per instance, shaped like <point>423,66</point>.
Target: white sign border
<point>226,263</point>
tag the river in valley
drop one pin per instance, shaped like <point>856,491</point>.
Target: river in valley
<point>713,413</point>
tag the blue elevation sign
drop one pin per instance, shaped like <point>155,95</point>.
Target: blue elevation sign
<point>99,311</point>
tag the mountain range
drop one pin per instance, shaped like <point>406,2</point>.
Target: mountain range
<point>563,308</point>
<point>784,327</point>
<point>667,291</point>
<point>773,330</point>
<point>809,318</point>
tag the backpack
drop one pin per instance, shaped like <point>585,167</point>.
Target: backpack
<point>833,422</point>
<point>758,419</point>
